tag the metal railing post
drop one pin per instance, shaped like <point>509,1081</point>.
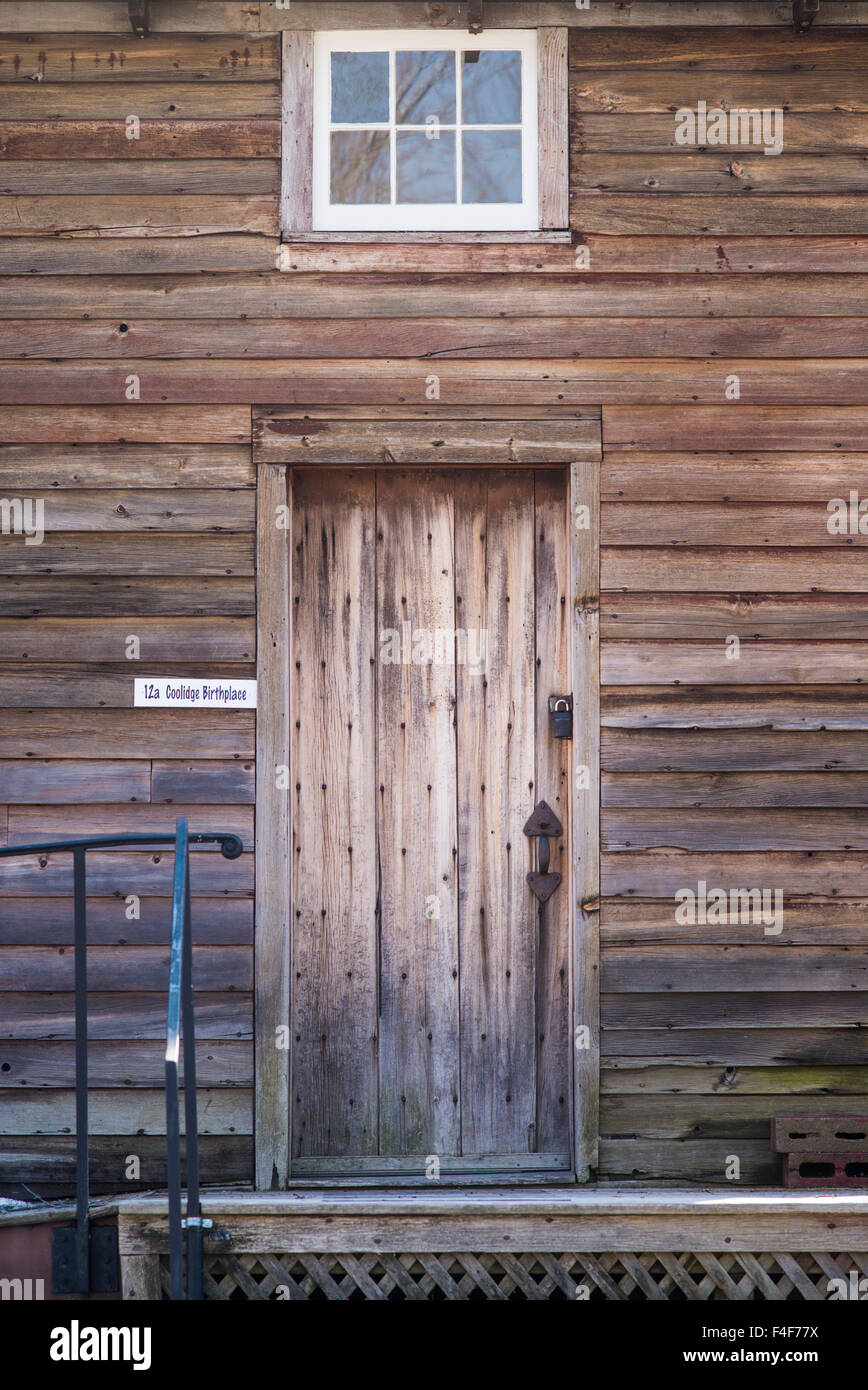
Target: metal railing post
<point>173,1123</point>
<point>194,1215</point>
<point>82,1158</point>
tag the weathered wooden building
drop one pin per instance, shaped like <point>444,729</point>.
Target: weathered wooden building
<point>422,417</point>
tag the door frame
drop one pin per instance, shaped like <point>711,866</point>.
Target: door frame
<point>281,438</point>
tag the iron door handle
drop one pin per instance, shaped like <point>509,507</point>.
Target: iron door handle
<point>541,824</point>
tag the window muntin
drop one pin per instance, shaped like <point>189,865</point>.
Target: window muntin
<point>416,131</point>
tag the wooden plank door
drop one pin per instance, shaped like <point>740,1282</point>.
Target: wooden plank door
<point>430,991</point>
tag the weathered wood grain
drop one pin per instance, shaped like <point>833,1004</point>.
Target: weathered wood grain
<point>112,17</point>
<point>740,750</point>
<point>723,50</point>
<point>734,569</point>
<point>749,706</point>
<point>132,510</point>
<point>553,128</point>
<point>155,139</point>
<point>585,833</point>
<point>30,824</point>
<point>536,381</point>
<point>361,296</point>
<point>745,1009</point>
<point>731,1080</point>
<point>739,172</point>
<point>120,873</point>
<point>335,947</point>
<point>48,922</point>
<point>809,922</point>
<point>706,791</point>
<point>182,57</point>
<point>707,1117</point>
<point>95,685</point>
<point>282,437</point>
<point>125,424</point>
<point>607,254</point>
<point>439,339</point>
<point>273,879</point>
<point>729,1047</point>
<point>134,1112</point>
<point>134,216</point>
<point>99,100</point>
<point>665,90</point>
<point>43,781</point>
<point>710,663</point>
<point>683,1160</point>
<point>518,14</point>
<point>61,467</point>
<point>128,968</point>
<point>40,255</point>
<point>51,1065</point>
<point>88,178</point>
<point>815,132</point>
<point>89,553</point>
<point>633,475</point>
<point>33,1015</point>
<point>799,617</point>
<point>419,956</point>
<point>647,214</point>
<point>708,828</point>
<point>661,872</point>
<point>717,523</point>
<point>120,733</point>
<point>552,782</point>
<point>203,782</point>
<point>495,708</point>
<point>296,197</point>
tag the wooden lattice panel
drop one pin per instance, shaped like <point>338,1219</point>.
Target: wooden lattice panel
<point>461,1276</point>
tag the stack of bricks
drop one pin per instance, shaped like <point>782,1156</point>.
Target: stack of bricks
<point>830,1152</point>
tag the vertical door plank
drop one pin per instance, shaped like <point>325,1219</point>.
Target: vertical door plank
<point>334,964</point>
<point>585,595</point>
<point>419,1081</point>
<point>494,580</point>
<point>553,785</point>
<point>273,869</point>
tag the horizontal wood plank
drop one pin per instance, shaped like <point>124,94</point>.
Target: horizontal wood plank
<point>61,467</point>
<point>41,255</point>
<point>706,791</point>
<point>220,1111</point>
<point>752,663</point>
<point>776,828</point>
<point>170,100</point>
<point>740,750</point>
<point>735,569</point>
<point>35,921</point>
<point>735,707</point>
<point>154,139</point>
<point>115,733</point>
<point>636,475</point>
<point>45,57</point>
<point>50,1016</point>
<point>280,438</point>
<point>137,216</point>
<point>51,1065</point>
<point>121,872</point>
<point>662,872</point>
<point>80,553</point>
<point>536,381</point>
<point>799,617</point>
<point>125,424</point>
<point>126,968</point>
<point>32,824</point>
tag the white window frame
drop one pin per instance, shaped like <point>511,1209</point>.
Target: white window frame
<point>544,212</point>
<point>427,217</point>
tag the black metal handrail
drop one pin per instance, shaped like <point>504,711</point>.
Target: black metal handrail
<point>180,1013</point>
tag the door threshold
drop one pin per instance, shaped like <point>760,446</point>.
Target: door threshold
<point>418,1181</point>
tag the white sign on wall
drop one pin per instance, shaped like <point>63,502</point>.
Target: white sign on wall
<point>182,692</point>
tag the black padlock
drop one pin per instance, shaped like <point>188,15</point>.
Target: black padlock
<point>561,715</point>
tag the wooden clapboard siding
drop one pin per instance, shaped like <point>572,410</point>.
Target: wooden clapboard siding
<point>79,760</point>
<point>159,255</point>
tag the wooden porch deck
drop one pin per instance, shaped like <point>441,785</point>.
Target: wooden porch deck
<point>497,1243</point>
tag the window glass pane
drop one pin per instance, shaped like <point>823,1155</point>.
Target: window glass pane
<point>360,87</point>
<point>492,166</point>
<point>426,168</point>
<point>491,89</point>
<point>360,166</point>
<point>424,86</point>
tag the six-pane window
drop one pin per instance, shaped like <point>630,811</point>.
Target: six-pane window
<point>418,131</point>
